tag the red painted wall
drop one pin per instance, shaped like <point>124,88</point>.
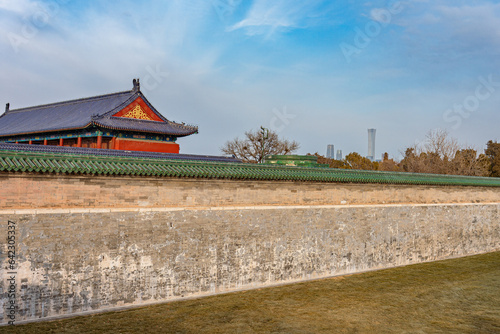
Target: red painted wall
<point>147,146</point>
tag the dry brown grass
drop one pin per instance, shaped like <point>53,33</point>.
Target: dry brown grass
<point>453,296</point>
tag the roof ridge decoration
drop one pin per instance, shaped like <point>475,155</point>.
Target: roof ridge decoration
<point>137,85</point>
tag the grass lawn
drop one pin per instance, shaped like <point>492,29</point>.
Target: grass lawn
<point>453,296</point>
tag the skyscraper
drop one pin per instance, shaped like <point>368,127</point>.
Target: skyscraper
<point>371,144</point>
<point>330,152</point>
<point>339,155</point>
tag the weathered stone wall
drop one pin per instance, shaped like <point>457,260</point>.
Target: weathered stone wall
<point>69,191</point>
<point>69,263</point>
<point>125,242</point>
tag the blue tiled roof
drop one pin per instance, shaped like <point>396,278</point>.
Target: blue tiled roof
<point>81,113</point>
<point>64,150</point>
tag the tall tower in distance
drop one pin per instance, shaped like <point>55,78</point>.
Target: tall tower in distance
<point>371,144</point>
<point>330,152</point>
<point>339,155</point>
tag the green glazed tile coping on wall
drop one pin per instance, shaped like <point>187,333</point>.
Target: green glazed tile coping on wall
<point>82,164</point>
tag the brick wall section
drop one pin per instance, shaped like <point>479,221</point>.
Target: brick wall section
<point>51,191</point>
<point>71,263</point>
<point>89,244</point>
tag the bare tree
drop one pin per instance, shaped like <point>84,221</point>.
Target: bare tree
<point>440,144</point>
<point>440,154</point>
<point>257,145</point>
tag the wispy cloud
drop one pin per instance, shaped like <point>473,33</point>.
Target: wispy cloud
<point>18,6</point>
<point>473,28</point>
<point>447,30</point>
<point>269,17</point>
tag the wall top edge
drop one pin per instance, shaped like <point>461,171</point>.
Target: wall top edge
<point>61,164</point>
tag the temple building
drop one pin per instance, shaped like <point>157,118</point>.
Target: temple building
<point>118,121</point>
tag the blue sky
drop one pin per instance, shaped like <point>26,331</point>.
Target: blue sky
<point>318,72</point>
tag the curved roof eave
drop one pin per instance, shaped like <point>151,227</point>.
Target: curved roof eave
<point>181,133</point>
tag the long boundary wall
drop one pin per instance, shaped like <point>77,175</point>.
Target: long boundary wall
<point>71,191</point>
<point>97,243</point>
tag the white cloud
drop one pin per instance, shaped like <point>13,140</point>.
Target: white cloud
<point>17,6</point>
<point>450,30</point>
<point>473,25</point>
<point>266,17</point>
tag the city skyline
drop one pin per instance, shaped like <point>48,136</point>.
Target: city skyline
<point>305,70</point>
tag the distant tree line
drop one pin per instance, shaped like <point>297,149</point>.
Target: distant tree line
<point>439,154</point>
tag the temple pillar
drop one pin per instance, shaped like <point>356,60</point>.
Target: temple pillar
<point>99,141</point>
<point>30,142</point>
<point>112,144</point>
<point>61,142</point>
<point>45,142</point>
<point>79,142</point>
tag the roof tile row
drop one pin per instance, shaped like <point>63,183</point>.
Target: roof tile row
<point>13,160</point>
